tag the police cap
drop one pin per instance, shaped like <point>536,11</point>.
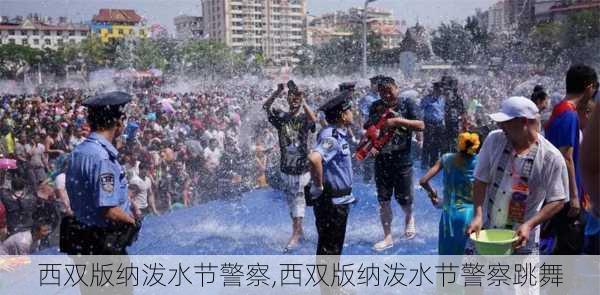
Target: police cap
<point>337,105</point>
<point>109,99</point>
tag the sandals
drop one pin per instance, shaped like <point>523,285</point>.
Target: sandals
<point>382,246</point>
<point>411,229</point>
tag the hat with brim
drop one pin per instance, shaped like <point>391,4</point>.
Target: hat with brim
<point>516,107</point>
<point>500,117</point>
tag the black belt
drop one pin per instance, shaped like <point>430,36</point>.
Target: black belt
<point>336,193</point>
<point>327,194</point>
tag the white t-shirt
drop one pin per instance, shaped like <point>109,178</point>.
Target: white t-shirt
<point>132,170</point>
<point>20,243</point>
<point>548,182</point>
<point>216,134</point>
<point>60,181</point>
<point>212,158</point>
<point>141,199</point>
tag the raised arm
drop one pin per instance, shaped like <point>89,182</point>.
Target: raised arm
<point>267,105</point>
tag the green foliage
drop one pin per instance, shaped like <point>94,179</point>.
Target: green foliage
<point>344,55</point>
<point>576,39</point>
<point>453,43</point>
<point>16,58</point>
<point>209,58</point>
<point>410,43</point>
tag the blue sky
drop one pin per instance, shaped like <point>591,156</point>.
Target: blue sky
<point>428,12</point>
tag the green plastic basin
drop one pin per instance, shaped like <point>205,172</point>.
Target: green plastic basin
<point>494,241</point>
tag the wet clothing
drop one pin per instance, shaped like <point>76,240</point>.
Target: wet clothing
<point>393,179</point>
<point>435,132</point>
<point>333,145</point>
<point>19,212</point>
<point>519,185</point>
<point>293,139</point>
<point>457,209</point>
<point>454,110</point>
<point>399,147</point>
<point>562,130</point>
<point>365,104</point>
<point>96,180</point>
<point>433,109</point>
<point>332,208</point>
<point>393,164</point>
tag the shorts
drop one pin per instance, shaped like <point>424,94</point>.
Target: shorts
<point>391,179</point>
<point>293,187</point>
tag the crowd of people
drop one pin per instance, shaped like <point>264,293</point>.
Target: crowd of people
<point>183,149</point>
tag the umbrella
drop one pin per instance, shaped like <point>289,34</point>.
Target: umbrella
<point>8,164</point>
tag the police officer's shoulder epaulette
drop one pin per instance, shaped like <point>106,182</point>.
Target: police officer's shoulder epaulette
<point>334,133</point>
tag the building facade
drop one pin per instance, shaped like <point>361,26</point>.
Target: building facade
<point>343,23</point>
<point>273,27</point>
<point>189,27</point>
<point>519,13</point>
<point>560,10</point>
<point>497,18</point>
<point>111,24</point>
<point>40,33</point>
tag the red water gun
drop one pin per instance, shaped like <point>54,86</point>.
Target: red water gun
<point>374,139</point>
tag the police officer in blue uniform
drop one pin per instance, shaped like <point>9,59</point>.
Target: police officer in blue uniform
<point>331,173</point>
<point>103,221</point>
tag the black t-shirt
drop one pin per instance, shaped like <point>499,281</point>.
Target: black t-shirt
<point>19,212</point>
<point>398,148</point>
<point>293,140</point>
<point>454,110</point>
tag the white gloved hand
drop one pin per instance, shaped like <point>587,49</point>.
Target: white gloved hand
<point>315,191</point>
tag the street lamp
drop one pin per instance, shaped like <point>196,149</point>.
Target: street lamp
<point>364,19</point>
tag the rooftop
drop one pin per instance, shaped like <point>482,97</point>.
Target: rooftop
<point>117,15</point>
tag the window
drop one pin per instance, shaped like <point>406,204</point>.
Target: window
<point>47,42</point>
<point>11,32</point>
<point>11,41</point>
<point>46,33</point>
<point>25,42</point>
<point>83,34</point>
<point>59,41</point>
<point>36,41</point>
<point>71,33</point>
<point>72,41</point>
<point>121,32</point>
<point>36,32</point>
<point>23,33</point>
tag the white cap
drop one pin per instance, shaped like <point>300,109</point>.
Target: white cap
<point>516,107</point>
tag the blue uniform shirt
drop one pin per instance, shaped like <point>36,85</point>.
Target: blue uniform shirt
<point>433,109</point>
<point>95,180</point>
<point>332,144</point>
<point>365,104</point>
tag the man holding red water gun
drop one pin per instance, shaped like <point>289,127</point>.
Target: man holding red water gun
<point>392,149</point>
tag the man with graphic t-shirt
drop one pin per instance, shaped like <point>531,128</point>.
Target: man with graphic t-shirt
<point>520,177</point>
<point>293,128</point>
<point>562,130</point>
<point>393,164</point>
